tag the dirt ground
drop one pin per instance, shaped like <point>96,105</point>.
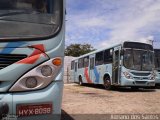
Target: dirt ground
<point>91,99</point>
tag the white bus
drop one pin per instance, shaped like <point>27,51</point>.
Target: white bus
<point>129,64</point>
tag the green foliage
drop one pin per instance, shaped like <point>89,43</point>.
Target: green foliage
<point>76,50</point>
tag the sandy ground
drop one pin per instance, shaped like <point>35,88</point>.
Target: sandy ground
<point>96,100</point>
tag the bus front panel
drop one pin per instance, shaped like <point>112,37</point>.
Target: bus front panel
<point>138,65</point>
<point>31,58</point>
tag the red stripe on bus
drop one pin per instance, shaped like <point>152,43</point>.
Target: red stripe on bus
<point>34,56</point>
<point>87,75</point>
<point>39,49</point>
<point>29,60</point>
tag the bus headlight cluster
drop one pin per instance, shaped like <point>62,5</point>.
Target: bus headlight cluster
<point>127,75</point>
<point>39,77</point>
<point>153,76</point>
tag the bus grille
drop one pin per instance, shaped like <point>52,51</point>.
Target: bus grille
<point>141,74</point>
<point>8,59</point>
<point>141,78</point>
<point>141,82</point>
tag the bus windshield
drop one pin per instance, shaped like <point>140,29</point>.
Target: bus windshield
<point>29,18</point>
<point>140,60</point>
<point>157,59</point>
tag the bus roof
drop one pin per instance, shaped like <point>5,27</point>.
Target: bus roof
<point>156,49</point>
<point>102,49</point>
<point>93,52</point>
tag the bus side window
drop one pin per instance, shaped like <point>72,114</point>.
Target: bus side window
<point>86,61</point>
<point>107,57</point>
<point>75,66</point>
<point>91,63</point>
<point>72,65</point>
<point>99,58</point>
<point>80,63</point>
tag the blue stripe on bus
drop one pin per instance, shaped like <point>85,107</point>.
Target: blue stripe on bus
<point>10,47</point>
<point>96,75</point>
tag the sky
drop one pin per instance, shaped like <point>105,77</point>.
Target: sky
<point>102,23</point>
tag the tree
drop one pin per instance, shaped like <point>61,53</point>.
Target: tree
<point>76,50</point>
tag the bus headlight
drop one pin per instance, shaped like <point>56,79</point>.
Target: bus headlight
<point>38,78</point>
<point>127,75</point>
<point>31,82</point>
<point>153,75</point>
<point>152,78</point>
<point>46,70</point>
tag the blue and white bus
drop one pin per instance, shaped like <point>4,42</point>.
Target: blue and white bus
<point>157,65</point>
<point>128,64</point>
<point>31,58</point>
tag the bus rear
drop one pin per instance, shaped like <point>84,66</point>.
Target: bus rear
<point>138,65</point>
<point>157,65</point>
<point>31,58</point>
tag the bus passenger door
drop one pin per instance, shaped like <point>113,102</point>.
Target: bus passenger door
<point>115,66</point>
<point>75,73</point>
<point>91,69</point>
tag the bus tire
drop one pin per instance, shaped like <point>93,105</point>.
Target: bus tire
<point>107,83</point>
<point>80,81</point>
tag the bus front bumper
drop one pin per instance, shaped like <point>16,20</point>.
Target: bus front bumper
<point>34,105</point>
<point>137,83</point>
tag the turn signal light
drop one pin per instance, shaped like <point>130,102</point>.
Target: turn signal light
<point>57,62</point>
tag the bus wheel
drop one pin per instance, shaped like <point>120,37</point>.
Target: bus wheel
<point>80,81</point>
<point>107,83</point>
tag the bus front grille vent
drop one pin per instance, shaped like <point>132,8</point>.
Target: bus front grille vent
<point>141,82</point>
<point>8,59</point>
<point>141,78</point>
<point>140,74</point>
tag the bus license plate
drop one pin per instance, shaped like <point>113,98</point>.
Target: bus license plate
<point>34,109</point>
